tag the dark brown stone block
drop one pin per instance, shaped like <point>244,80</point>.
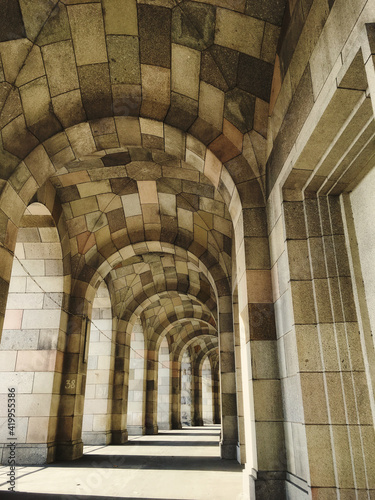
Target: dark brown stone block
<point>182,112</point>
<point>219,67</point>
<point>56,27</point>
<point>114,159</point>
<point>262,322</point>
<point>46,127</point>
<point>255,76</point>
<point>193,25</point>
<point>152,142</point>
<point>297,114</point>
<point>251,194</point>
<point>69,193</point>
<point>116,220</point>
<point>12,107</point>
<point>17,139</point>
<point>204,131</point>
<point>124,186</point>
<point>188,201</point>
<point>11,23</point>
<point>290,39</point>
<point>271,11</point>
<point>155,35</point>
<point>295,227</point>
<point>170,186</point>
<point>205,190</point>
<point>184,238</point>
<point>96,90</point>
<point>239,169</point>
<point>239,107</point>
<point>126,99</point>
<point>168,228</point>
<point>224,149</point>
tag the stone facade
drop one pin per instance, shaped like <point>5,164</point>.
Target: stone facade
<point>192,179</point>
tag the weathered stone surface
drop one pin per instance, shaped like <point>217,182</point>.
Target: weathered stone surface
<point>271,12</point>
<point>219,67</point>
<point>255,76</point>
<point>88,34</point>
<point>96,90</point>
<point>155,35</point>
<point>193,25</point>
<point>123,55</point>
<point>56,27</point>
<point>60,67</point>
<point>239,108</point>
<point>182,112</point>
<point>68,108</point>
<point>11,23</point>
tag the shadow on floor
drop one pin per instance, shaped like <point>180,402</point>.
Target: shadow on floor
<point>155,462</point>
<point>20,495</point>
<point>151,442</point>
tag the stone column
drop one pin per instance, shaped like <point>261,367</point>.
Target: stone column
<point>120,385</point>
<point>216,394</point>
<point>73,384</point>
<point>337,425</point>
<point>229,428</point>
<point>197,418</point>
<point>151,409</point>
<point>261,388</point>
<point>175,393</point>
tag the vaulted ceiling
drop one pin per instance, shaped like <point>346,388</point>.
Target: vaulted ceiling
<point>204,68</point>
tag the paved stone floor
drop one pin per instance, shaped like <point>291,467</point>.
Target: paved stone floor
<point>175,465</point>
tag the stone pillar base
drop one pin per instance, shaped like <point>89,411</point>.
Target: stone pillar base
<point>176,425</point>
<point>152,429</point>
<point>198,422</point>
<point>270,486</point>
<point>119,437</point>
<point>93,438</point>
<point>27,453</point>
<point>136,430</point>
<point>69,451</point>
<point>164,426</point>
<point>228,450</point>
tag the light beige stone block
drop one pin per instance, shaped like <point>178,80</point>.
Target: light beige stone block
<point>13,319</point>
<point>37,431</point>
<point>87,189</point>
<point>41,319</point>
<point>81,139</point>
<point>30,361</point>
<point>239,32</point>
<point>151,127</point>
<point>86,23</point>
<point>45,284</point>
<point>34,405</point>
<point>211,104</point>
<point>120,17</point>
<point>7,361</point>
<point>147,191</point>
<point>43,382</point>
<point>128,130</point>
<point>185,70</point>
<point>61,67</point>
<point>131,204</point>
<point>319,449</point>
<point>42,251</point>
<point>22,382</point>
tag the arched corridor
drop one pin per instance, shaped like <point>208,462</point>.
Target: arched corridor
<point>187,243</point>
